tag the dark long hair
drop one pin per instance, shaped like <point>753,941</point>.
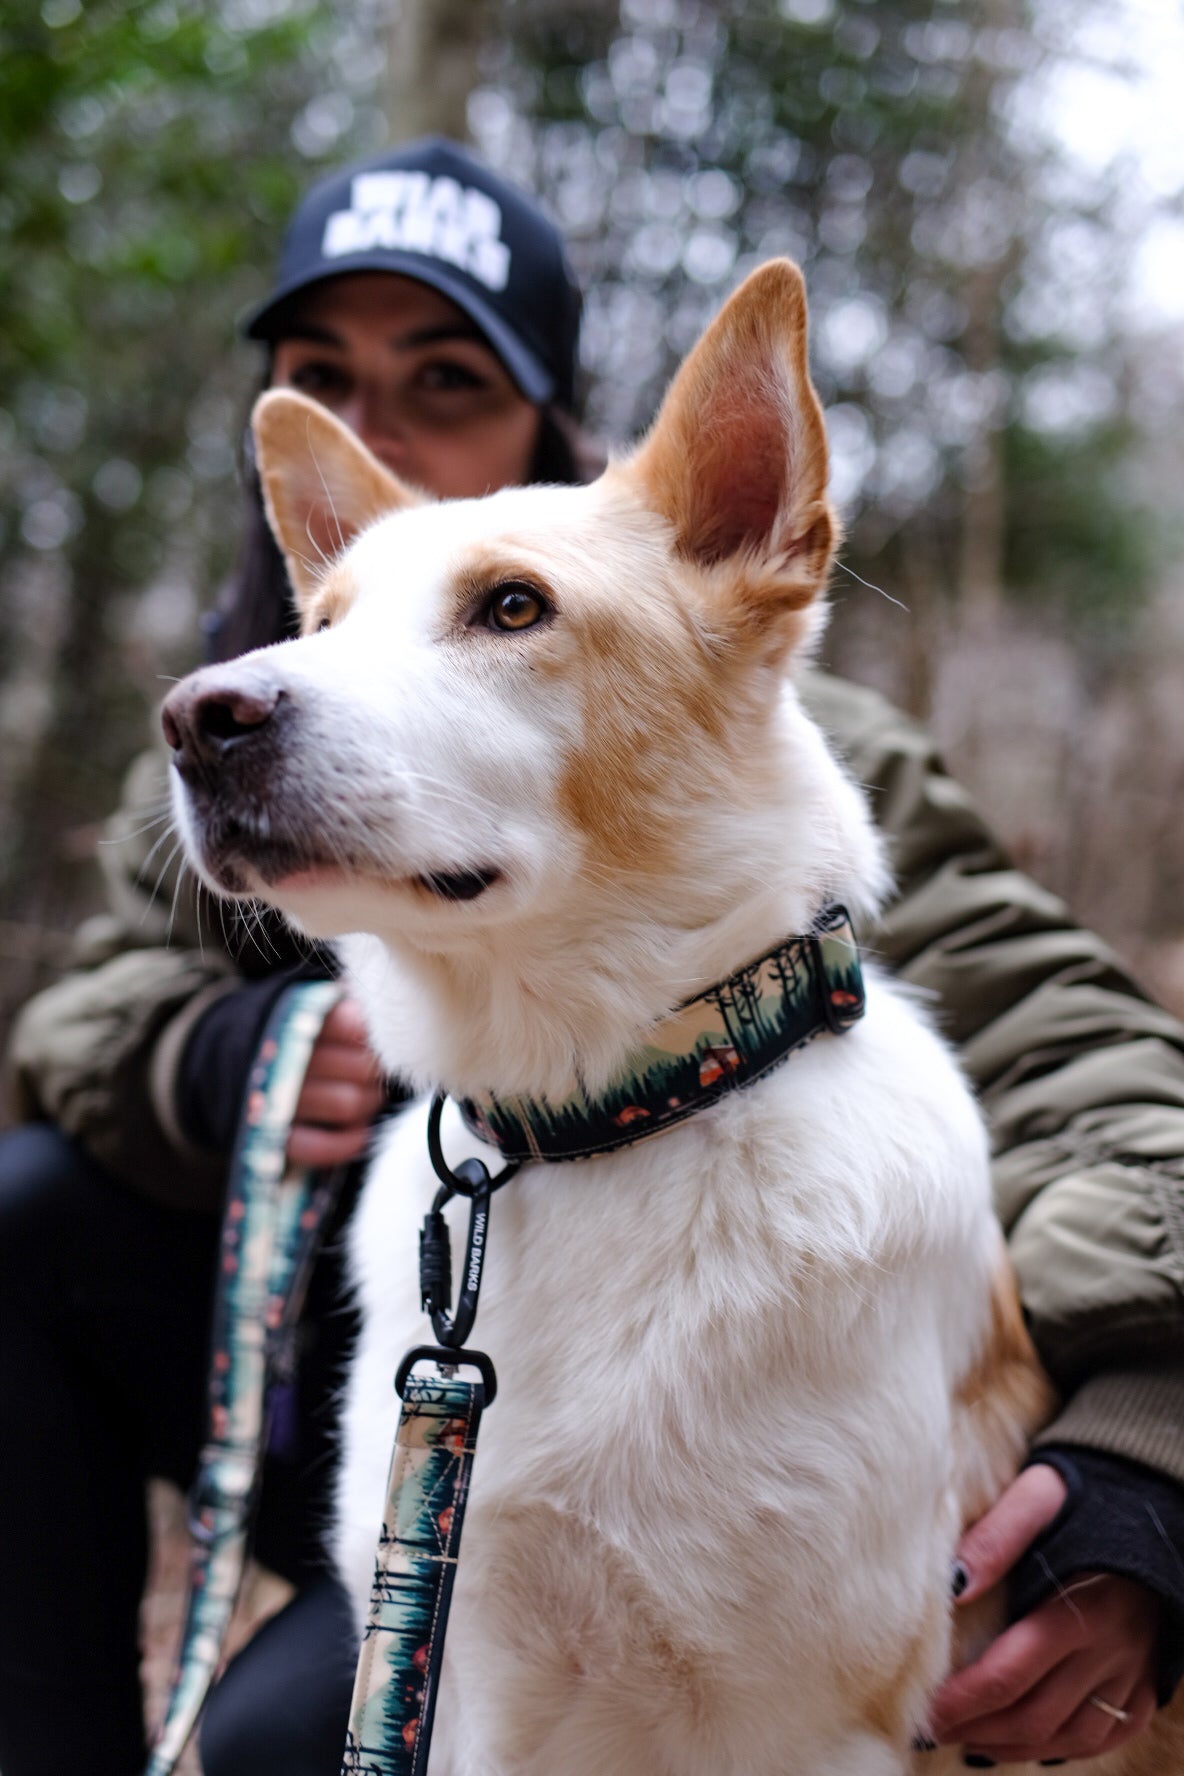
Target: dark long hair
<point>256,606</point>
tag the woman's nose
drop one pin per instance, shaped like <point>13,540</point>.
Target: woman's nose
<point>379,423</point>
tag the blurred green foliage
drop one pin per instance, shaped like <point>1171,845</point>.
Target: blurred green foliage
<point>149,167</point>
<point>151,154</point>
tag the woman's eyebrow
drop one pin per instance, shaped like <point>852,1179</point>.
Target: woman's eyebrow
<point>443,330</point>
<point>308,330</point>
<point>313,333</point>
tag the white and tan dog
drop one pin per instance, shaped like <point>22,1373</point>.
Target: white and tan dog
<point>544,753</point>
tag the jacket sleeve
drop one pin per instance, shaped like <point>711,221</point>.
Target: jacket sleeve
<point>98,1052</point>
<point>1080,1075</point>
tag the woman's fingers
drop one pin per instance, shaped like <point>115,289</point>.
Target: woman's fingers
<point>990,1548</point>
<point>334,1103</point>
<point>317,1147</point>
<point>997,1682</point>
<point>345,1024</point>
<point>339,1060</point>
<point>1086,1733</point>
<point>341,1095</point>
<point>1031,1689</point>
<point>342,1050</point>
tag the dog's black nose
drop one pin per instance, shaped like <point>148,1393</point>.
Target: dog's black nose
<point>211,712</point>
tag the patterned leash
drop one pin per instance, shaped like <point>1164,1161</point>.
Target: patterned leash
<point>271,1233</point>
<point>394,1701</point>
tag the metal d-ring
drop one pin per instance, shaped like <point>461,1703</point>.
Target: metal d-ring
<point>465,1181</point>
<point>449,1360</point>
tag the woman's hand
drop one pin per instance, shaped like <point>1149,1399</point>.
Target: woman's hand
<point>1029,1696</point>
<point>341,1095</point>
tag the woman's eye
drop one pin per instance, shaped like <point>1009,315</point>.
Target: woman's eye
<point>515,606</point>
<point>446,375</point>
<point>324,382</point>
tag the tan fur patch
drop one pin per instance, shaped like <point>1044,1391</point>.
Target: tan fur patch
<point>329,603</point>
<point>1001,1401</point>
<point>654,710</point>
<point>883,1699</point>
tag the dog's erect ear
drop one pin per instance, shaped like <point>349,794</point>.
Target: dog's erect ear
<point>736,459</point>
<point>321,486</point>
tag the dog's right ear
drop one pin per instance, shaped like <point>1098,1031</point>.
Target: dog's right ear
<point>321,486</point>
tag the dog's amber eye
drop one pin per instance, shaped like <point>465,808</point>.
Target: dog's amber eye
<point>515,606</point>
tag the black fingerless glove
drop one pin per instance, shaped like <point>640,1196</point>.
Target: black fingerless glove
<point>1119,1517</point>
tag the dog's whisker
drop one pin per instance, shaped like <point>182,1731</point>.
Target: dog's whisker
<point>181,874</point>
<point>311,562</point>
<point>843,568</point>
<point>170,831</point>
<point>332,504</point>
<point>163,871</point>
<point>136,832</point>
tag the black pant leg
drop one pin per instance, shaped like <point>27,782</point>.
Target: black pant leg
<point>282,1706</point>
<point>104,1315</point>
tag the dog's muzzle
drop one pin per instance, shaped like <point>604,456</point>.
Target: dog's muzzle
<point>225,726</point>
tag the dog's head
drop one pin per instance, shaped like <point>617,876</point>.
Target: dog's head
<point>553,704</point>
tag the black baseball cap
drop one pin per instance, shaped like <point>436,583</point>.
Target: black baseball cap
<point>430,210</point>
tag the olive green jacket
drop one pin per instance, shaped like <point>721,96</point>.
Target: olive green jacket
<point>1082,1078</point>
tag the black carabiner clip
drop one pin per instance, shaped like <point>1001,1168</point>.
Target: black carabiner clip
<point>470,1178</point>
<point>435,1257</point>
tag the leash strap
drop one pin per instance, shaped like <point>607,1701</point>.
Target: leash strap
<point>394,1701</point>
<point>271,1232</point>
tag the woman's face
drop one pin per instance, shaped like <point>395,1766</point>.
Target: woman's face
<point>414,378</point>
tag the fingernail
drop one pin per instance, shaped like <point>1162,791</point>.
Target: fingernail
<point>920,1744</point>
<point>959,1578</point>
<point>974,1760</point>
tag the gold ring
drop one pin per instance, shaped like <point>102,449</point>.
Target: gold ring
<point>1118,1714</point>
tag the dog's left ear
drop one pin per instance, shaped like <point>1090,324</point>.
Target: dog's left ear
<point>736,460</point>
<point>321,486</point>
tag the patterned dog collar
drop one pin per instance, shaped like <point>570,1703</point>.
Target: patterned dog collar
<point>720,1041</point>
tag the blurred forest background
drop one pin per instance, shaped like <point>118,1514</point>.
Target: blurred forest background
<point>992,230</point>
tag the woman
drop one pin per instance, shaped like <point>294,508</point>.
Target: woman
<point>429,305</point>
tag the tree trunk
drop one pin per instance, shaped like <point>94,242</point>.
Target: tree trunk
<point>435,48</point>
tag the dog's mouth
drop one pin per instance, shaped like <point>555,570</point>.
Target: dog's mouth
<point>459,884</point>
<point>243,857</point>
<point>286,869</point>
<point>455,885</point>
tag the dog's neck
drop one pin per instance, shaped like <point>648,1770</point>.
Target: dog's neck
<point>563,1000</point>
<point>720,1041</point>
